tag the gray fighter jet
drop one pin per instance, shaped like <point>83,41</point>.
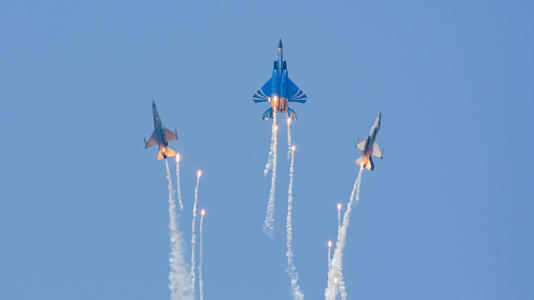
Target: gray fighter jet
<point>161,136</point>
<point>369,146</point>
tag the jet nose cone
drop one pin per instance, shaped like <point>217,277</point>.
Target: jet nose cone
<point>378,117</point>
<point>280,43</point>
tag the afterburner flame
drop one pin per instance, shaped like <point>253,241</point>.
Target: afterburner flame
<point>329,244</point>
<point>203,212</point>
<point>339,206</point>
<point>199,173</point>
<point>177,157</point>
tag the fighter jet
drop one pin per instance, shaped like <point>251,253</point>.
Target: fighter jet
<point>369,146</point>
<point>161,136</point>
<point>279,90</point>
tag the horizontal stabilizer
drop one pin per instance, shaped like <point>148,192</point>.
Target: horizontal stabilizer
<point>292,114</point>
<point>165,152</point>
<point>363,163</point>
<point>263,94</point>
<point>268,114</point>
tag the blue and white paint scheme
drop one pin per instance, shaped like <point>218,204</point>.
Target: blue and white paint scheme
<point>280,90</point>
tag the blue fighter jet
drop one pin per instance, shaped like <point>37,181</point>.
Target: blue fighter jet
<point>161,136</point>
<point>279,90</point>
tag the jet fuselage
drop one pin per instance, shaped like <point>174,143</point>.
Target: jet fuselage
<point>279,90</point>
<point>158,127</point>
<point>369,146</point>
<point>161,136</point>
<point>278,98</point>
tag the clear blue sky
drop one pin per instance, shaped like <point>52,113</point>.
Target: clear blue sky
<point>447,214</point>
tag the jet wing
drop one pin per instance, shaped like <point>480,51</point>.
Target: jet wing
<point>376,150</point>
<point>169,134</point>
<point>294,93</point>
<point>361,144</point>
<point>152,141</point>
<point>263,94</point>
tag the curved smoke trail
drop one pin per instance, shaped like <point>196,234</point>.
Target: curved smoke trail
<point>193,235</point>
<point>269,218</point>
<point>335,272</point>
<point>291,269</point>
<point>178,277</point>
<point>178,189</point>
<point>200,256</point>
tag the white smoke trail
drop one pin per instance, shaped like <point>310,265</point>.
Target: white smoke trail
<point>269,218</point>
<point>339,206</point>
<point>336,269</point>
<point>200,256</point>
<point>329,254</point>
<point>193,234</point>
<point>178,188</point>
<point>291,269</point>
<point>340,280</point>
<point>289,138</point>
<point>269,163</point>
<point>178,277</point>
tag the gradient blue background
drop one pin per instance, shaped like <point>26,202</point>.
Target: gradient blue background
<point>447,214</point>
